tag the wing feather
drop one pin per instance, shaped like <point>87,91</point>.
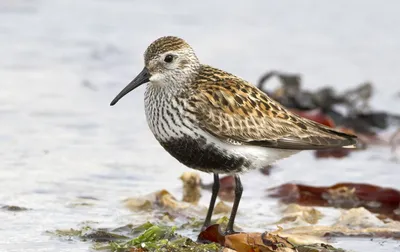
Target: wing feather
<point>235,111</point>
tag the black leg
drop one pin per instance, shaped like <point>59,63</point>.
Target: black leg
<point>214,195</point>
<point>238,195</point>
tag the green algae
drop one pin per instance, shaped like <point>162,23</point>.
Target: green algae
<point>68,232</point>
<point>159,238</point>
<point>318,248</point>
<point>87,233</point>
<point>146,237</point>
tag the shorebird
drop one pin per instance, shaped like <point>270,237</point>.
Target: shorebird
<point>215,122</point>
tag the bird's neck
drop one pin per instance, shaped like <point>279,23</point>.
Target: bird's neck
<point>172,86</point>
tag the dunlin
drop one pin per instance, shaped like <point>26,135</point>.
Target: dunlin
<point>215,122</point>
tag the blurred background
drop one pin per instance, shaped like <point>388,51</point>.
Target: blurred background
<point>63,61</point>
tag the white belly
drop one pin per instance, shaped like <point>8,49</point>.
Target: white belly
<point>259,157</point>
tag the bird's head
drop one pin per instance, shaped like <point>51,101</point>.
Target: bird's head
<point>169,62</point>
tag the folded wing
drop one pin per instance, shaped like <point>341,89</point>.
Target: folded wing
<point>237,112</point>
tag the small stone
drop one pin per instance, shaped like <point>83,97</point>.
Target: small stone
<point>14,208</point>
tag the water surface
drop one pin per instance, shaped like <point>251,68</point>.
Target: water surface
<point>63,61</point>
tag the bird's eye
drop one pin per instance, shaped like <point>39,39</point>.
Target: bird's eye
<point>169,58</point>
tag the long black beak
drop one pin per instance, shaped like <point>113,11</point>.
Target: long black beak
<point>142,78</point>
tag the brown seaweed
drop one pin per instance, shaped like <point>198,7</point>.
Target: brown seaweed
<point>385,201</point>
<point>260,242</point>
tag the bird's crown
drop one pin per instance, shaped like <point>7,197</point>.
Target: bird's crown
<point>163,45</point>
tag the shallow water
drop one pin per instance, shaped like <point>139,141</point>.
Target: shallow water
<point>63,61</point>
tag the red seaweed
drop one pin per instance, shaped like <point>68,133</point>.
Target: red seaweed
<point>316,115</point>
<point>385,201</point>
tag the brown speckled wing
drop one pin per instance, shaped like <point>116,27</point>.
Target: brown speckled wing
<point>237,112</point>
